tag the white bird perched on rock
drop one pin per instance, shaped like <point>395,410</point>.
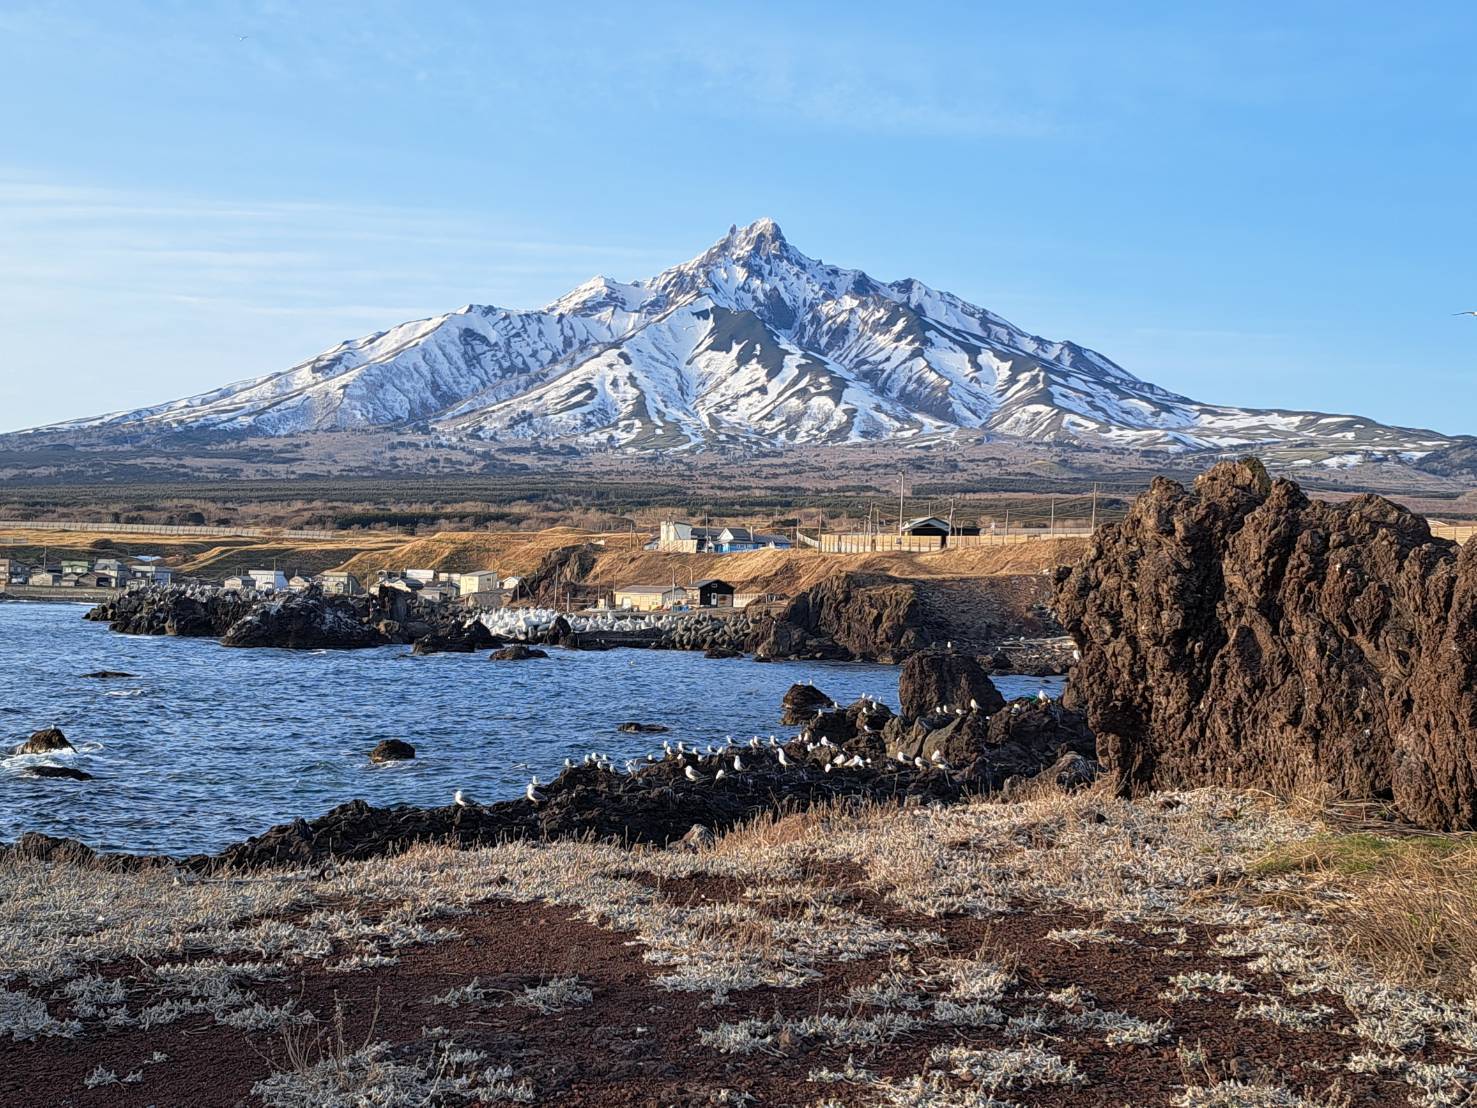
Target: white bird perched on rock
<point>754,743</point>
<point>828,767</point>
<point>689,773</point>
<point>959,711</point>
<point>1042,696</point>
<point>667,746</point>
<point>719,776</point>
<point>738,764</point>
<point>534,796</point>
<point>839,759</point>
<point>919,763</point>
<point>856,762</point>
<point>783,760</point>
<point>569,763</point>
<point>936,756</point>
<point>462,800</point>
<point>901,757</point>
<point>974,705</point>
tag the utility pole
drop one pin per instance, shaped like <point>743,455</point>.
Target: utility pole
<point>899,502</point>
<point>1051,527</point>
<point>1094,508</point>
<point>1005,538</point>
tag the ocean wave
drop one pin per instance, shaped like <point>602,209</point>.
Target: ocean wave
<point>124,692</point>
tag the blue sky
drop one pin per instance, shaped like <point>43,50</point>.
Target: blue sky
<point>1262,204</point>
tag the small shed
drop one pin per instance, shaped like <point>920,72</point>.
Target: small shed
<point>713,593</point>
<point>927,527</point>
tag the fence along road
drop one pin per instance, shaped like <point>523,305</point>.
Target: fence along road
<point>171,529</point>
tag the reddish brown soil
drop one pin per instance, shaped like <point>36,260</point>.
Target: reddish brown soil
<point>638,1044</point>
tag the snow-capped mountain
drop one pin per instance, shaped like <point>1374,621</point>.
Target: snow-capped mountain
<point>752,342</point>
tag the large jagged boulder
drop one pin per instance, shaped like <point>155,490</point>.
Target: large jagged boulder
<point>850,616</point>
<point>1242,634</point>
<point>938,678</point>
<point>304,622</point>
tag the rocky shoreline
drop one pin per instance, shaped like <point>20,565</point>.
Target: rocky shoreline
<point>848,617</point>
<point>856,754</point>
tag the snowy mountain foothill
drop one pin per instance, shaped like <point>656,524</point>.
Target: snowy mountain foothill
<point>750,344</point>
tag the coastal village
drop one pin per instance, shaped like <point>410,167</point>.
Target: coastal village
<point>71,577</point>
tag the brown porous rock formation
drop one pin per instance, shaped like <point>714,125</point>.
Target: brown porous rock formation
<point>942,679</point>
<point>851,616</point>
<point>1242,634</point>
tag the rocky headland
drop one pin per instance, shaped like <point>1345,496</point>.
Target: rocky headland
<point>1239,633</point>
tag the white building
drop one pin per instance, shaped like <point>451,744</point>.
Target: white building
<point>482,581</point>
<point>267,580</point>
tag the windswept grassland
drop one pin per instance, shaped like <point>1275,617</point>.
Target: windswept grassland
<point>1209,948</point>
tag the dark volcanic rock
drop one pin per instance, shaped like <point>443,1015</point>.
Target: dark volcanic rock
<point>802,703</point>
<point>865,617</point>
<point>303,622</point>
<point>103,674</point>
<point>35,846</point>
<point>722,652</point>
<point>859,727</point>
<point>938,678</point>
<point>171,611</point>
<point>44,742</point>
<point>66,772</point>
<point>643,728</point>
<point>1242,634</point>
<point>517,652</point>
<point>657,805</point>
<point>456,639</point>
<point>392,750</point>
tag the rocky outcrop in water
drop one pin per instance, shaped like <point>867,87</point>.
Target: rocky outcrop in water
<point>392,750</point>
<point>66,773</point>
<point>46,741</point>
<point>944,680</point>
<point>171,611</point>
<point>304,621</point>
<point>802,703</point>
<point>517,652</point>
<point>1242,634</point>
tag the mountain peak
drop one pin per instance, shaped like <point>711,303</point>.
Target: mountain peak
<point>763,236</point>
<point>751,342</point>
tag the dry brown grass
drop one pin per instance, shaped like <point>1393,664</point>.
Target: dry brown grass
<point>1416,918</point>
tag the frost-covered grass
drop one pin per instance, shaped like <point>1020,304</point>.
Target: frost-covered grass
<point>1209,875</point>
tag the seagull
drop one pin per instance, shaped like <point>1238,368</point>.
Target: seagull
<point>1041,696</point>
<point>919,763</point>
<point>974,705</point>
<point>828,767</point>
<point>1464,313</point>
<point>783,760</point>
<point>534,796</point>
<point>901,757</point>
<point>689,773</point>
<point>738,764</point>
<point>462,800</point>
<point>719,776</point>
<point>839,759</point>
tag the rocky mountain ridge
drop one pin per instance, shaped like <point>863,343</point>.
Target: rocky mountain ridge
<point>750,343</point>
